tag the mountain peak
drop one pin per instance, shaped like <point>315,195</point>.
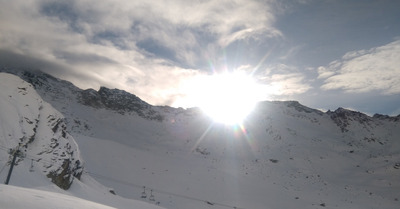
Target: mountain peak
<point>53,89</point>
<point>284,149</point>
<point>343,117</point>
<point>119,101</point>
<point>301,108</point>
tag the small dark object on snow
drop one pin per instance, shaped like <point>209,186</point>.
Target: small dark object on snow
<point>273,160</point>
<point>210,203</point>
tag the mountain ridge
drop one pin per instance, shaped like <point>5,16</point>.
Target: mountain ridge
<point>122,101</point>
<point>284,155</point>
<point>49,159</point>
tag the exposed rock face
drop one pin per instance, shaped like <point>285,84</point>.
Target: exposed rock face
<point>65,151</point>
<point>343,117</point>
<point>53,89</point>
<point>301,108</point>
<point>39,132</point>
<point>386,117</point>
<point>122,102</point>
<point>119,101</point>
<point>63,176</point>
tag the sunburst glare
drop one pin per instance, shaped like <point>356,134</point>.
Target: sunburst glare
<point>227,98</point>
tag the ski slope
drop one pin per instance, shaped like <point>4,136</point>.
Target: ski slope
<point>284,155</point>
<point>29,121</point>
<point>13,197</point>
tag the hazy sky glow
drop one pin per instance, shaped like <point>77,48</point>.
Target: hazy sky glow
<point>323,53</point>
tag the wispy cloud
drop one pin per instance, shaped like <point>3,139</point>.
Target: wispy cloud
<point>365,70</point>
<point>282,81</point>
<point>142,46</point>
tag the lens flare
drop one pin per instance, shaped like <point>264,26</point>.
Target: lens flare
<point>227,98</point>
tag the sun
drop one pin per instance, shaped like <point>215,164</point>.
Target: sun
<point>227,98</point>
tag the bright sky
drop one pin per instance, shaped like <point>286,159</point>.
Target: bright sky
<point>323,53</point>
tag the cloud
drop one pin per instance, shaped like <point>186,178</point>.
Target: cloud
<point>140,46</point>
<point>376,69</point>
<point>282,81</point>
<point>182,27</point>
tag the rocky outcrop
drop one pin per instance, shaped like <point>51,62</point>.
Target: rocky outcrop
<point>64,175</point>
<point>65,155</point>
<point>54,89</point>
<point>301,108</point>
<point>119,101</point>
<point>38,131</point>
<point>343,118</point>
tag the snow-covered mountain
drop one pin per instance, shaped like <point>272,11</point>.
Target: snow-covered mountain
<point>285,155</point>
<point>46,154</point>
<point>35,129</point>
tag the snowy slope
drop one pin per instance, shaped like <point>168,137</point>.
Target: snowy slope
<point>283,159</point>
<point>285,155</point>
<point>13,197</point>
<point>38,131</point>
<point>50,159</point>
<point>21,198</point>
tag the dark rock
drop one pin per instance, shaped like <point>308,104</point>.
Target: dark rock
<point>63,176</point>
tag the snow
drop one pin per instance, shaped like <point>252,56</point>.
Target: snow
<point>314,164</point>
<point>314,170</point>
<point>27,119</point>
<point>13,197</point>
<point>282,157</point>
